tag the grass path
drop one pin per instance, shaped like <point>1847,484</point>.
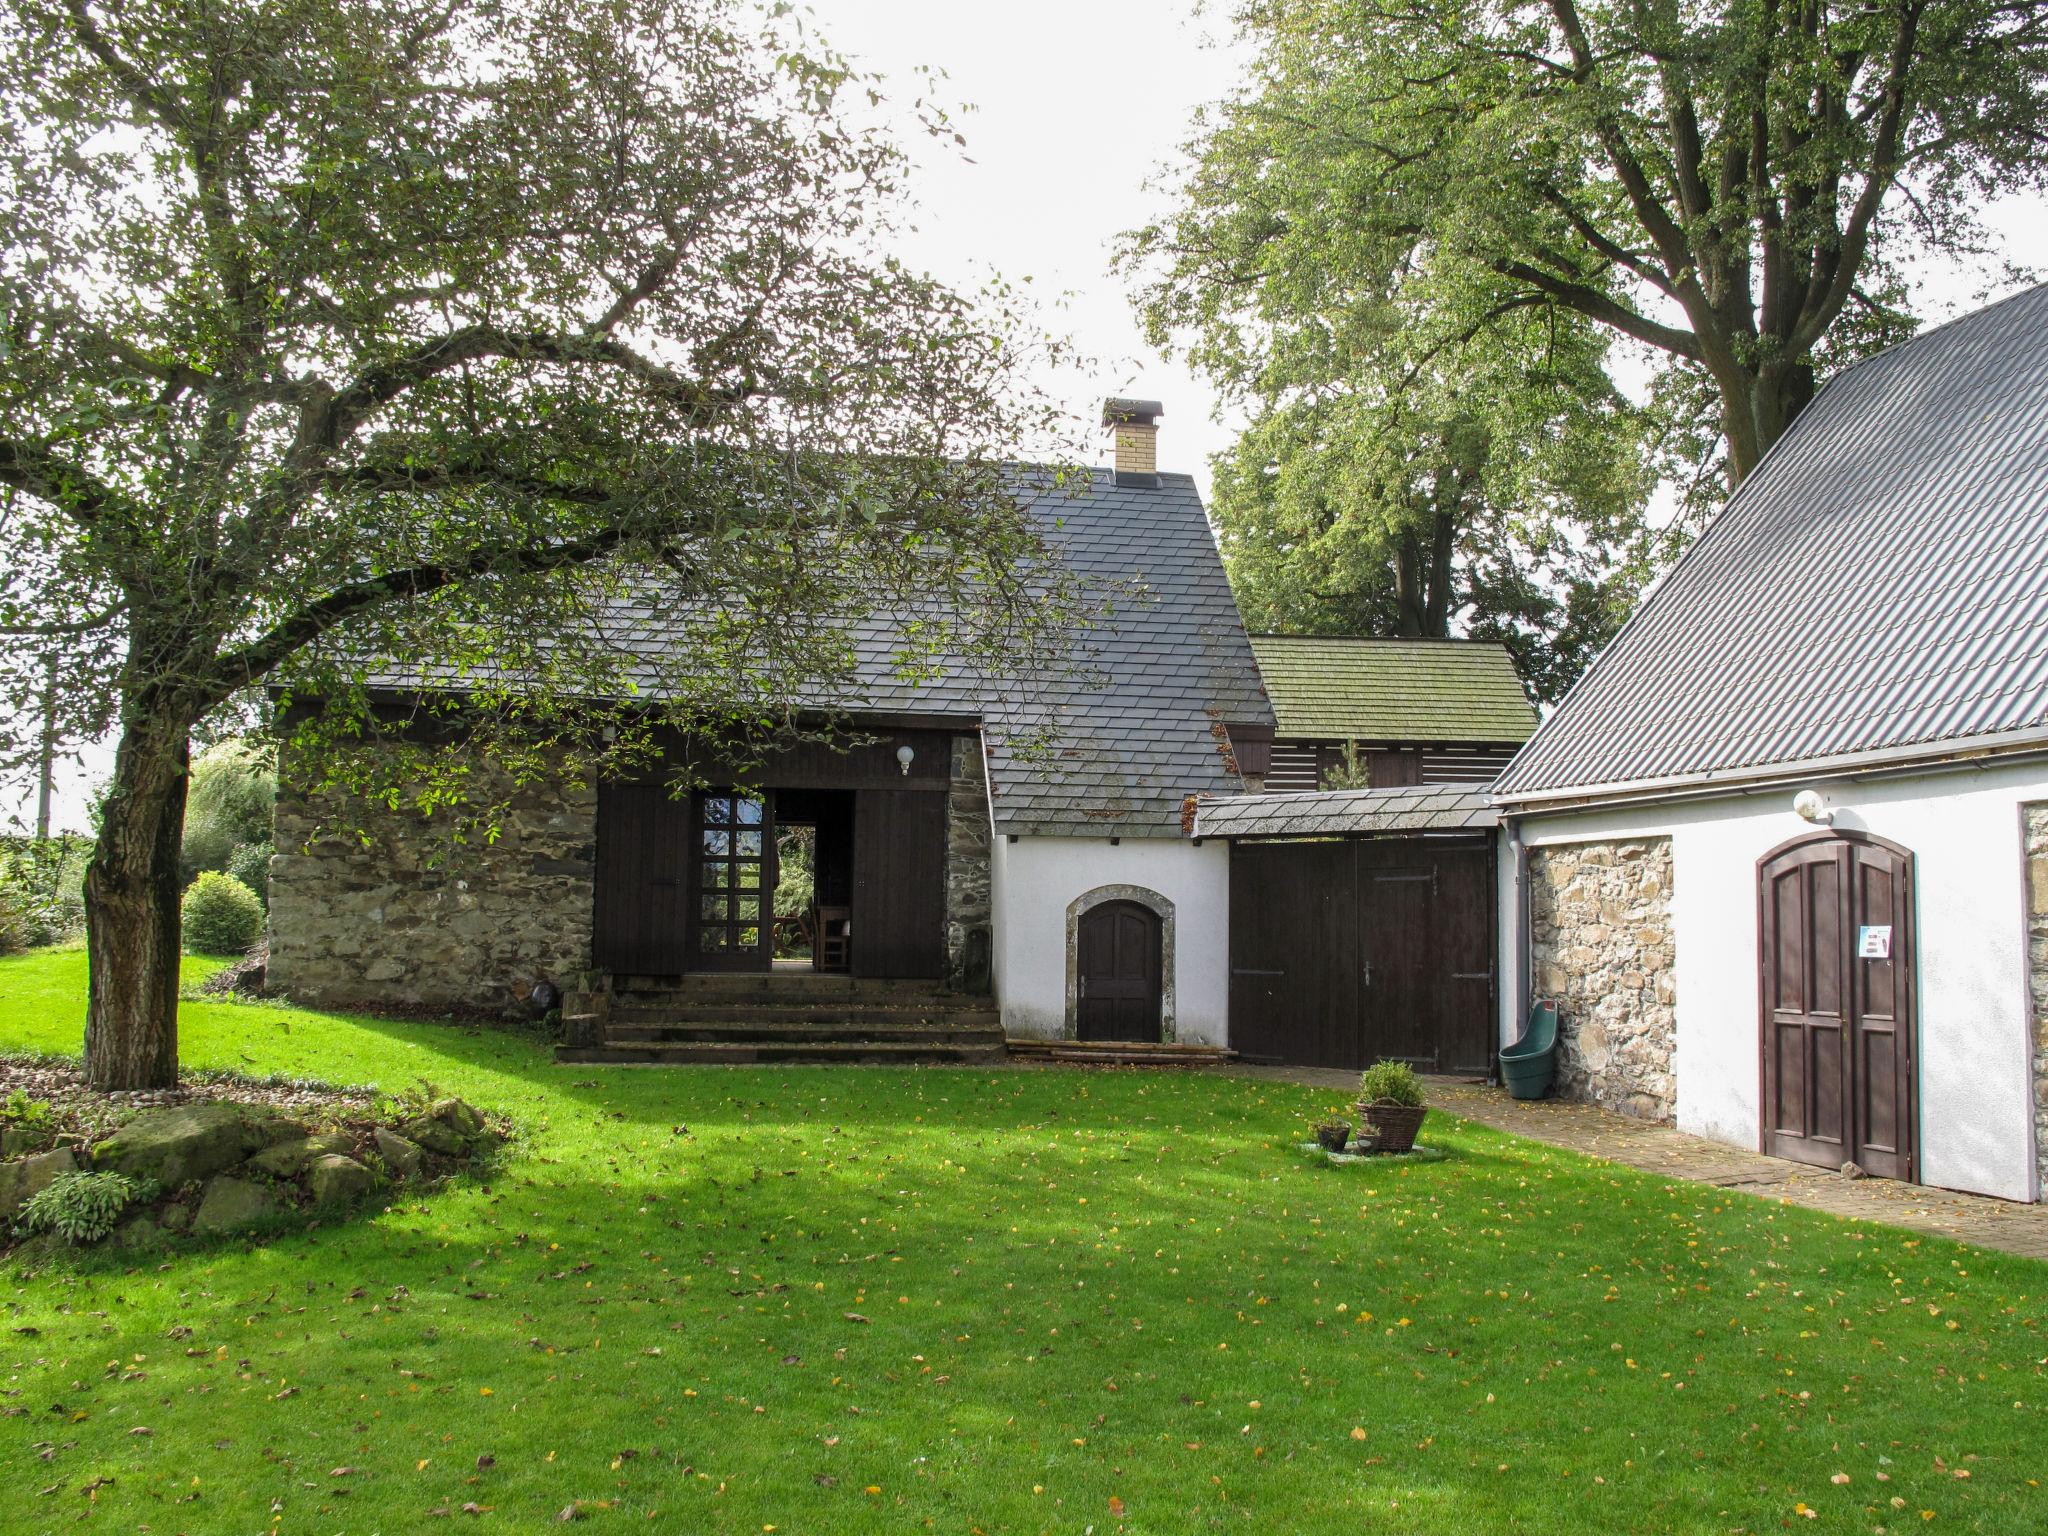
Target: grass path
<point>861,1300</point>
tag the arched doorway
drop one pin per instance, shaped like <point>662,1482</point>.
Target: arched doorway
<point>1835,953</point>
<point>1117,973</point>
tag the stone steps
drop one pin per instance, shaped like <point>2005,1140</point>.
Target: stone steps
<point>820,1052</point>
<point>745,1015</point>
<point>799,1032</point>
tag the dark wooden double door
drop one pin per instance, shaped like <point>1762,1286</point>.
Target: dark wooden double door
<point>1835,951</point>
<point>687,883</point>
<point>1346,952</point>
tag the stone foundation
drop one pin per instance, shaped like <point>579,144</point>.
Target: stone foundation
<point>1601,944</point>
<point>405,918</point>
<point>2037,973</point>
<point>969,909</point>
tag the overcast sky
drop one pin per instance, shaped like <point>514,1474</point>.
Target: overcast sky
<point>1075,104</point>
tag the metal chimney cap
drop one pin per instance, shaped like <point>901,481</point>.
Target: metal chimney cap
<point>1123,413</point>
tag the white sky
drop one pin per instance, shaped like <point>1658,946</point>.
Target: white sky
<point>1075,106</point>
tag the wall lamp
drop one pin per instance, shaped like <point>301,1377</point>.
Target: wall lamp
<point>904,756</point>
<point>1808,805</point>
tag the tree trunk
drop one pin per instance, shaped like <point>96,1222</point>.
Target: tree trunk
<point>131,914</point>
<point>1752,421</point>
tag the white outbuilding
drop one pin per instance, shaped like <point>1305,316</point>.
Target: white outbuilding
<point>1782,853</point>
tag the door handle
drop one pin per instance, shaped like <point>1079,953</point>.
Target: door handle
<point>1366,973</point>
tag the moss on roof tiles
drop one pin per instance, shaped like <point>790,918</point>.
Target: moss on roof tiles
<point>1326,689</point>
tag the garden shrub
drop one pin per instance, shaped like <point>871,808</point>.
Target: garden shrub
<point>232,792</point>
<point>41,896</point>
<point>83,1207</point>
<point>250,864</point>
<point>222,916</point>
<point>1389,1082</point>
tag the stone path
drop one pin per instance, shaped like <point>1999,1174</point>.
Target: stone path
<point>1659,1149</point>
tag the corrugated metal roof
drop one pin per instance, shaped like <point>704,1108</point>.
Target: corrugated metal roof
<point>1879,582</point>
<point>1330,689</point>
<point>1133,730</point>
<point>1337,812</point>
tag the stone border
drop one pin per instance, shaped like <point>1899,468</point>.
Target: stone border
<point>1152,901</point>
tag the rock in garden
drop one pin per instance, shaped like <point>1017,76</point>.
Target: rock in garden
<point>189,1141</point>
<point>18,1140</point>
<point>232,1204</point>
<point>338,1180</point>
<point>466,1120</point>
<point>402,1157</point>
<point>435,1135</point>
<point>139,1231</point>
<point>288,1158</point>
<point>19,1180</point>
<point>176,1218</point>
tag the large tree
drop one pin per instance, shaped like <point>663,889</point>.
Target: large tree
<point>1731,184</point>
<point>459,331</point>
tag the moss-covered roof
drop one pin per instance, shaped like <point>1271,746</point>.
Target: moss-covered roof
<point>1463,691</point>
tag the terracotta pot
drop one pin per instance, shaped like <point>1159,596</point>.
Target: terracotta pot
<point>1391,1127</point>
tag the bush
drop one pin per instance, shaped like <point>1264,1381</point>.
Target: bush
<point>83,1207</point>
<point>41,896</point>
<point>1390,1082</point>
<point>232,793</point>
<point>222,915</point>
<point>250,864</point>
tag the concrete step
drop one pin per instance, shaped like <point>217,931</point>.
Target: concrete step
<point>799,1032</point>
<point>780,985</point>
<point>789,1053</point>
<point>1134,1053</point>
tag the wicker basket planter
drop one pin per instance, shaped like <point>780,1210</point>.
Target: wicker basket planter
<point>1333,1136</point>
<point>1389,1127</point>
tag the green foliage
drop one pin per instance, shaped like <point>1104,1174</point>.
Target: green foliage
<point>1390,1082</point>
<point>228,804</point>
<point>1352,770</point>
<point>34,1119</point>
<point>221,915</point>
<point>41,901</point>
<point>1736,189</point>
<point>796,882</point>
<point>250,864</point>
<point>83,1207</point>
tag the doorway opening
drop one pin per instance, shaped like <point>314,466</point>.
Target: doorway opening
<point>814,885</point>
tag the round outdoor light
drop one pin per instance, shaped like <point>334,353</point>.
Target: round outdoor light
<point>1807,805</point>
<point>903,758</point>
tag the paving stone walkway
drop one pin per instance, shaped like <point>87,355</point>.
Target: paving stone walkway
<point>1660,1149</point>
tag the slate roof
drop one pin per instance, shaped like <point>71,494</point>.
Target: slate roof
<point>1136,727</point>
<point>1879,582</point>
<point>1334,812</point>
<point>1463,691</point>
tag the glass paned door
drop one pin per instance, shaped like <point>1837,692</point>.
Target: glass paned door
<point>734,884</point>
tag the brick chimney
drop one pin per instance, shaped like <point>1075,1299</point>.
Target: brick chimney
<point>1136,425</point>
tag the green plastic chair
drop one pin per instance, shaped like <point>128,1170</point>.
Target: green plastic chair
<point>1528,1065</point>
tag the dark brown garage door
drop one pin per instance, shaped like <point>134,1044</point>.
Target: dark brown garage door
<point>1346,952</point>
<point>1835,950</point>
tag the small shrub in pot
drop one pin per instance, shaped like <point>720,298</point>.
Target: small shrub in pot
<point>1390,1106</point>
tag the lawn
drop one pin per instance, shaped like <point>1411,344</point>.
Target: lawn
<point>852,1300</point>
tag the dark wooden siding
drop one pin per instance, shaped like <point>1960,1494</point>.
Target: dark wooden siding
<point>1303,765</point>
<point>899,883</point>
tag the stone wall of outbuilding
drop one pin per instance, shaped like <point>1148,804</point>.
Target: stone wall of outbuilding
<point>401,916</point>
<point>2036,817</point>
<point>969,904</point>
<point>1601,944</point>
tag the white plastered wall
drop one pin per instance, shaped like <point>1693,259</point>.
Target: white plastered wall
<point>1036,880</point>
<point>1975,1069</point>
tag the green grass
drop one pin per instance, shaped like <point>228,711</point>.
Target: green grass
<point>827,1300</point>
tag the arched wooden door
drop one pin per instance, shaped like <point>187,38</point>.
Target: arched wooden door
<point>1835,950</point>
<point>1116,973</point>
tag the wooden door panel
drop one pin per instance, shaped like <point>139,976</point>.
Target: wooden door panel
<point>1463,946</point>
<point>1293,953</point>
<point>1117,973</point>
<point>732,882</point>
<point>640,921</point>
<point>1397,1003</point>
<point>1837,1025</point>
<point>899,883</point>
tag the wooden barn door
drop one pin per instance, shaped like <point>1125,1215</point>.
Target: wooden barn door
<point>640,924</point>
<point>1117,973</point>
<point>1345,952</point>
<point>1835,947</point>
<point>899,883</point>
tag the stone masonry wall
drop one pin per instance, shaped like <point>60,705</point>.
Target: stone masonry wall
<point>1601,944</point>
<point>406,918</point>
<point>969,911</point>
<point>2037,972</point>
